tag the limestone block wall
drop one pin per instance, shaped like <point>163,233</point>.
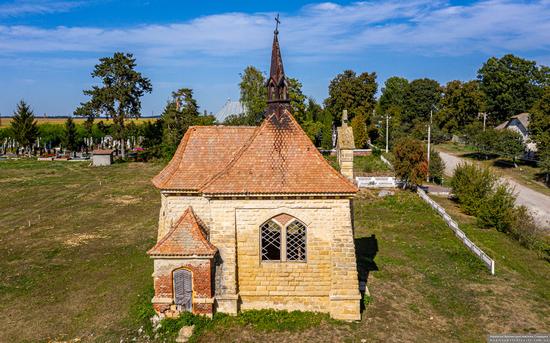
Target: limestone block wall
<point>235,230</point>
<point>346,162</point>
<point>173,206</point>
<point>326,282</point>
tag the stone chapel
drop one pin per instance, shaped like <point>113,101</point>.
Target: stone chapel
<point>255,218</point>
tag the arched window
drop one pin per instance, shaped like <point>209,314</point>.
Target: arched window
<point>296,241</point>
<point>271,241</point>
<point>283,238</point>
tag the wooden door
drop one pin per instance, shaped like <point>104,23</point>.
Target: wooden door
<point>183,290</point>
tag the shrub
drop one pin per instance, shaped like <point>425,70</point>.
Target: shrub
<point>409,161</point>
<point>528,233</point>
<point>497,210</point>
<point>472,185</point>
<point>376,152</point>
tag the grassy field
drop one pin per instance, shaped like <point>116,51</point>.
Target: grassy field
<point>370,165</point>
<point>526,173</point>
<point>5,122</point>
<point>79,269</point>
<point>72,248</point>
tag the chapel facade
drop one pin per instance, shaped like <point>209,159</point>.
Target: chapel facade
<point>255,218</point>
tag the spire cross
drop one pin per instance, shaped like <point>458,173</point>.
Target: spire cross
<point>278,21</point>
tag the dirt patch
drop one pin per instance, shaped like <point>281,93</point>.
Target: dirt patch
<point>124,200</point>
<point>80,239</point>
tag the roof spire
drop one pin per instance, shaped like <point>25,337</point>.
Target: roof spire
<point>277,85</point>
<point>278,21</point>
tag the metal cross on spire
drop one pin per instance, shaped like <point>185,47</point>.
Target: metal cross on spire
<point>278,21</point>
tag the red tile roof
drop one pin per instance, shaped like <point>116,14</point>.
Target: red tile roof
<point>276,158</point>
<point>185,238</point>
<point>202,153</point>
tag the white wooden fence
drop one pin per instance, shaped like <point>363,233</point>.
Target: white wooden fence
<point>490,263</point>
<point>376,182</point>
<point>386,161</point>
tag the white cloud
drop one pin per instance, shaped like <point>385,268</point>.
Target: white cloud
<point>25,7</point>
<point>324,29</point>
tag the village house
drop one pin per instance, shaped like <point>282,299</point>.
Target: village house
<point>520,123</point>
<point>255,218</point>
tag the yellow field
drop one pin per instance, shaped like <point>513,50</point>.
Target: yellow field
<point>57,120</point>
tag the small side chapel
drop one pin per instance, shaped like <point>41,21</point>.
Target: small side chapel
<point>255,218</point>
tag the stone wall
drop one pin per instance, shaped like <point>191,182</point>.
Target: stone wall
<point>326,282</point>
<point>173,206</point>
<point>345,160</point>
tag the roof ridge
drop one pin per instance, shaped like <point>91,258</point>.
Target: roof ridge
<point>194,226</point>
<point>319,155</point>
<point>197,222</point>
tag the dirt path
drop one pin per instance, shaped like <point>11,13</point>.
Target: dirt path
<point>537,203</point>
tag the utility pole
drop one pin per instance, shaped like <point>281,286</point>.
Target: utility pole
<point>387,131</point>
<point>429,138</point>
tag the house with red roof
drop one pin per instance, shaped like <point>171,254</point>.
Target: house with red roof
<point>255,218</point>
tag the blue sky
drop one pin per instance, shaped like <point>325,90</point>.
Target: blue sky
<point>49,47</point>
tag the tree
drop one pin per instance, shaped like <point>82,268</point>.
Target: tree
<point>314,130</point>
<point>436,167</point>
<point>152,138</point>
<point>539,131</point>
<point>391,104</point>
<point>410,164</point>
<point>180,112</point>
<point>253,95</point>
<point>512,85</point>
<point>359,131</point>
<point>460,105</point>
<point>313,124</point>
<point>51,134</point>
<point>313,110</point>
<point>352,92</point>
<point>483,141</point>
<point>297,100</point>
<point>119,96</point>
<point>509,144</point>
<point>69,137</point>
<point>392,100</point>
<point>420,97</point>
<point>23,126</point>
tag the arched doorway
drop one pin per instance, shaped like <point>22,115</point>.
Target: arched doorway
<point>183,289</point>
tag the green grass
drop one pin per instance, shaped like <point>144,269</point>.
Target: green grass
<point>428,287</point>
<point>370,165</point>
<point>74,272</point>
<point>80,271</point>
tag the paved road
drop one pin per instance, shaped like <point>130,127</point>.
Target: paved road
<point>537,203</point>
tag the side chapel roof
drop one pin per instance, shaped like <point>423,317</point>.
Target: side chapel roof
<point>185,238</point>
